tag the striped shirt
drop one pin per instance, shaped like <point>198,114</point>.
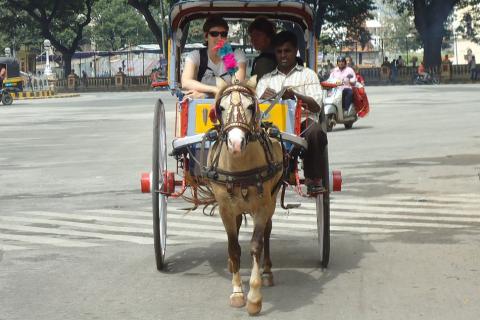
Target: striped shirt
<point>302,80</point>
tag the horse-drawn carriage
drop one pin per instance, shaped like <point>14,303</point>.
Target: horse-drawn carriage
<point>197,176</point>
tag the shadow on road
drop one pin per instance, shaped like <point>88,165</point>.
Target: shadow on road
<point>296,268</point>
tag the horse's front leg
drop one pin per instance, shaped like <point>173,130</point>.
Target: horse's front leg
<point>237,298</point>
<point>267,275</point>
<point>254,298</point>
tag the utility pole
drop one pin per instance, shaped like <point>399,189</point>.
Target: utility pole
<point>162,27</point>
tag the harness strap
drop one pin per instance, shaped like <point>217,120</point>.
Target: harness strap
<point>248,177</point>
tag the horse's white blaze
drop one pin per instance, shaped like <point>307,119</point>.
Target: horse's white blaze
<point>236,140</point>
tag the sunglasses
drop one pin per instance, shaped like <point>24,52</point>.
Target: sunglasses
<point>215,34</point>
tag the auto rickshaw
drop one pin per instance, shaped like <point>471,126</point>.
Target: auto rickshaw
<point>10,79</point>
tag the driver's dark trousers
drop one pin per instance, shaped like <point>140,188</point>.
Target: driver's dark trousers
<point>313,156</point>
<point>347,98</point>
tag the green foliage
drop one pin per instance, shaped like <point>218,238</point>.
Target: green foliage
<point>398,30</point>
<point>344,18</point>
<point>17,29</point>
<point>60,21</point>
<point>115,25</point>
<point>470,20</point>
<point>195,32</point>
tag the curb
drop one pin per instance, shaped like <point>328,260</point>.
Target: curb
<point>41,95</point>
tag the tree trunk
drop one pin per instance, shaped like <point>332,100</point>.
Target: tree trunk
<point>67,63</point>
<point>432,48</point>
<point>430,17</point>
<point>144,10</point>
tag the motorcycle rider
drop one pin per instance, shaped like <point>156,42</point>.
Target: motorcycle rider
<point>343,76</point>
<point>422,73</point>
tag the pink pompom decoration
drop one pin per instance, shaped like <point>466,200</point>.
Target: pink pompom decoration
<point>229,61</point>
<point>219,45</point>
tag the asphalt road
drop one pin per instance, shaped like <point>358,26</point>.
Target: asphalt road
<point>75,232</point>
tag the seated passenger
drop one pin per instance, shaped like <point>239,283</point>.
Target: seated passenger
<point>202,66</point>
<point>303,84</point>
<point>261,32</point>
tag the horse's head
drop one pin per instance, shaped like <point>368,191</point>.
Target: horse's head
<point>237,110</point>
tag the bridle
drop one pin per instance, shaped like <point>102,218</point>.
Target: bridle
<point>236,117</point>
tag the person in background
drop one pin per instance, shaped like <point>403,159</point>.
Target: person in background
<point>414,61</point>
<point>422,72</point>
<point>261,32</point>
<point>400,62</point>
<point>330,65</point>
<point>472,65</point>
<point>393,71</point>
<point>358,76</point>
<point>84,78</point>
<point>342,75</point>
<point>3,74</point>
<point>350,62</point>
<point>202,66</point>
<point>386,63</point>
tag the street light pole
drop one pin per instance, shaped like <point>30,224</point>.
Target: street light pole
<point>162,27</point>
<point>47,46</point>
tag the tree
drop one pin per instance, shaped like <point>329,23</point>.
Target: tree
<point>115,24</point>
<point>62,22</point>
<point>148,8</point>
<point>17,29</point>
<point>470,14</point>
<point>398,30</point>
<point>430,17</point>
<point>349,15</point>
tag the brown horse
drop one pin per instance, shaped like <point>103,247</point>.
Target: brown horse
<point>244,169</point>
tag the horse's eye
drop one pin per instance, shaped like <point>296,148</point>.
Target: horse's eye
<point>251,107</point>
<point>222,109</point>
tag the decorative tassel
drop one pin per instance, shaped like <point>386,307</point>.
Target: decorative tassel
<point>225,52</point>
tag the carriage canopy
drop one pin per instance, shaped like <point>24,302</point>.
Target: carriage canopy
<point>183,11</point>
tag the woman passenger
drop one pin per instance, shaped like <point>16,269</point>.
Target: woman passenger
<point>198,79</point>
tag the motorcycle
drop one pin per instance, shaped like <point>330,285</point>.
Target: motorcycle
<point>426,79</point>
<point>332,102</point>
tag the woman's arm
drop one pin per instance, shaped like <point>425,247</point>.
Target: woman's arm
<point>241,72</point>
<point>190,83</point>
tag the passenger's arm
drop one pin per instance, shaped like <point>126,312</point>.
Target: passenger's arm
<point>190,83</point>
<point>241,72</point>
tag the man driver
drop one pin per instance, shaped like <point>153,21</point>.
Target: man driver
<point>342,75</point>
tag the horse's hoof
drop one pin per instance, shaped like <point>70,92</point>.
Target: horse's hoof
<point>237,300</point>
<point>254,308</point>
<point>267,279</point>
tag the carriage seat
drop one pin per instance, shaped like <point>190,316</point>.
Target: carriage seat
<point>192,116</point>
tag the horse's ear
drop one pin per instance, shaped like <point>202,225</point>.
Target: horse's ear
<point>252,82</point>
<point>221,84</point>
